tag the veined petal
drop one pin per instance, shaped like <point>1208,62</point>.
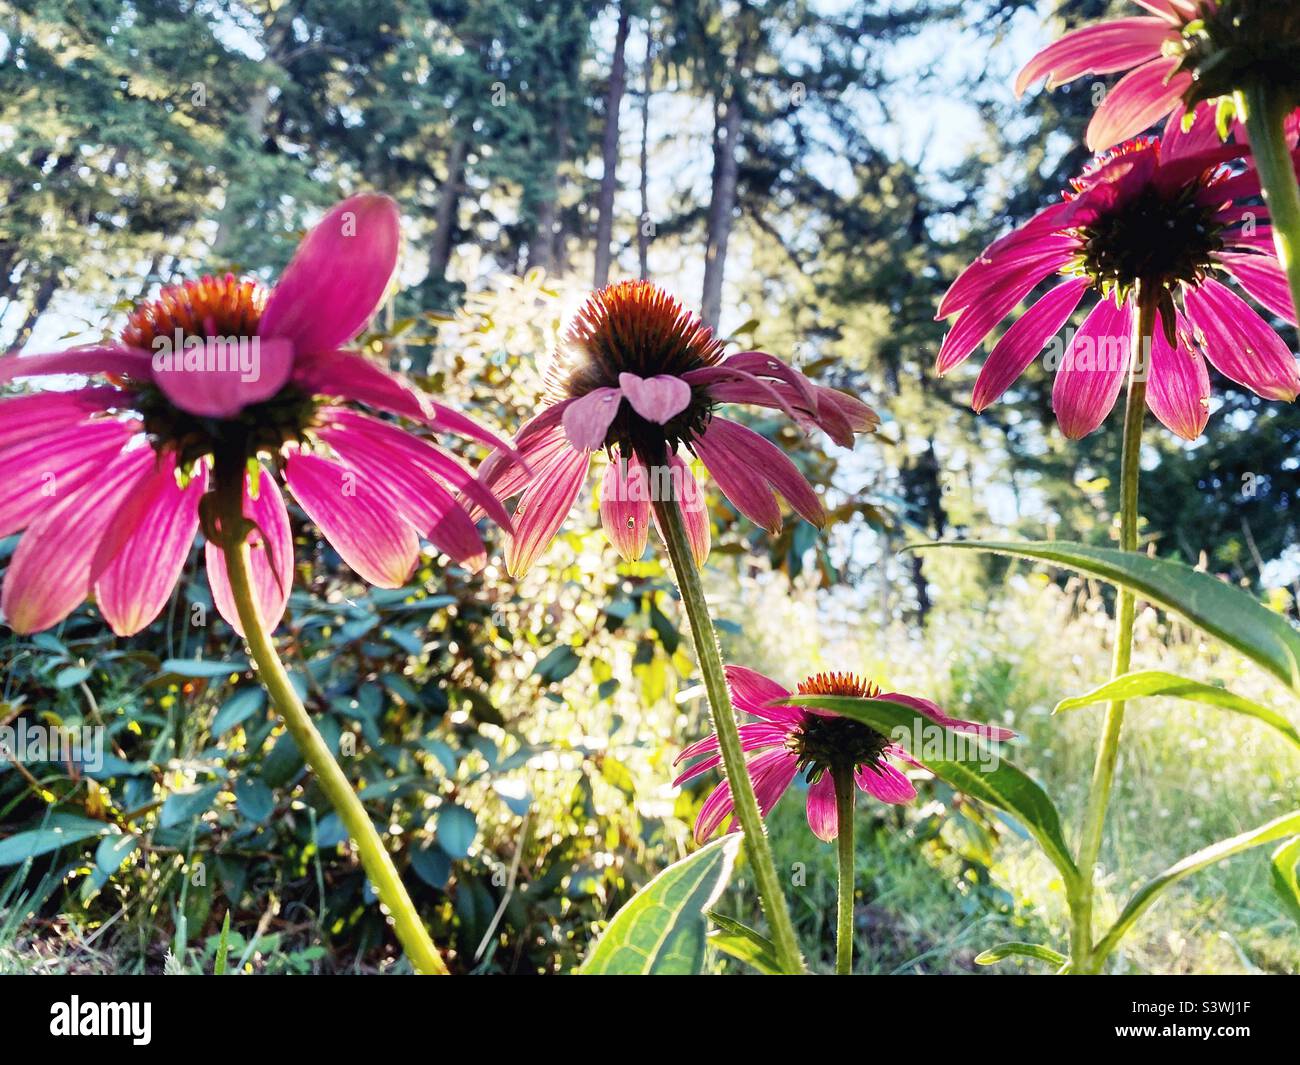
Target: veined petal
<point>587,419</point>
<point>37,415</point>
<point>270,557</point>
<point>504,476</point>
<point>625,506</point>
<point>337,277</point>
<point>754,737</point>
<point>932,711</point>
<point>543,507</point>
<point>977,322</point>
<point>1239,342</point>
<point>95,359</point>
<point>752,692</point>
<point>1143,97</point>
<point>347,375</point>
<point>1091,374</point>
<point>1178,386</point>
<point>744,486</point>
<point>693,505</point>
<point>762,364</point>
<point>765,459</point>
<point>64,551</point>
<point>1101,49</point>
<point>221,378</point>
<point>657,399</point>
<point>885,782</point>
<point>823,817</point>
<point>357,516</point>
<point>135,587</point>
<point>1020,344</point>
<point>1263,277</point>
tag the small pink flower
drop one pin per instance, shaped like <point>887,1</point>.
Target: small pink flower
<point>789,740</point>
<point>1182,52</point>
<point>1162,217</point>
<point>105,482</point>
<point>640,377</point>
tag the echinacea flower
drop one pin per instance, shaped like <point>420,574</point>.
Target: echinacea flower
<point>1182,53</point>
<point>639,377</point>
<point>105,482</point>
<point>1151,220</point>
<point>787,741</point>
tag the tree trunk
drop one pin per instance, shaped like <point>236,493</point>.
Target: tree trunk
<point>446,211</point>
<point>645,227</point>
<point>609,153</point>
<point>41,300</point>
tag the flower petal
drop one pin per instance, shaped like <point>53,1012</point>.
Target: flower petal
<point>337,277</point>
<point>1092,372</point>
<point>625,506</point>
<point>223,378</point>
<point>1239,342</point>
<point>657,399</point>
<point>96,359</point>
<point>357,515</point>
<point>1101,49</point>
<point>1178,386</point>
<point>1263,277</point>
<point>694,507</point>
<point>135,587</point>
<point>1141,98</point>
<point>751,693</point>
<point>347,375</point>
<point>28,417</point>
<point>886,782</point>
<point>64,551</point>
<point>1020,345</point>
<point>823,817</point>
<point>978,321</point>
<point>270,555</point>
<point>957,724</point>
<point>587,419</point>
<point>760,456</point>
<point>543,507</point>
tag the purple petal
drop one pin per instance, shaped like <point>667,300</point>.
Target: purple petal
<point>1178,386</point>
<point>1263,277</point>
<point>823,817</point>
<point>270,557</point>
<point>625,506</point>
<point>657,399</point>
<point>99,359</point>
<point>744,456</point>
<point>1239,342</point>
<point>1091,374</point>
<point>751,693</point>
<point>885,782</point>
<point>1142,97</point>
<point>544,506</point>
<point>587,420</point>
<point>27,417</point>
<point>1105,48</point>
<point>224,378</point>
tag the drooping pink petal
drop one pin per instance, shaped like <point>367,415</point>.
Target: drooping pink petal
<point>978,321</point>
<point>1239,342</point>
<point>717,807</point>
<point>96,359</point>
<point>751,693</point>
<point>448,419</point>
<point>135,587</point>
<point>1091,373</point>
<point>745,487</point>
<point>886,782</point>
<point>1020,344</point>
<point>657,399</point>
<point>587,419</point>
<point>1202,135</point>
<point>64,551</point>
<point>693,504</point>
<point>219,378</point>
<point>337,277</point>
<point>1101,49</point>
<point>625,506</point>
<point>347,375</point>
<point>753,737</point>
<point>504,476</point>
<point>859,416</point>
<point>357,516</point>
<point>823,817</point>
<point>935,714</point>
<point>772,772</point>
<point>1263,277</point>
<point>763,364</point>
<point>1178,384</point>
<point>1143,97</point>
<point>543,507</point>
<point>996,271</point>
<point>270,557</point>
<point>41,471</point>
<point>756,455</point>
<point>726,384</point>
<point>28,417</point>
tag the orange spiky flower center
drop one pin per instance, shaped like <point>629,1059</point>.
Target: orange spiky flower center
<point>226,306</point>
<point>636,327</point>
<point>824,742</point>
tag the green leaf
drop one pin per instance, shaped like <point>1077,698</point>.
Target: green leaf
<point>187,805</point>
<point>661,930</point>
<point>223,947</point>
<point>255,800</point>
<point>557,665</point>
<point>1154,682</point>
<point>113,851</point>
<point>239,708</point>
<point>23,845</point>
<point>1022,950</point>
<point>455,830</point>
<point>1234,616</point>
<point>975,769</point>
<point>1281,828</point>
<point>744,944</point>
<point>204,667</point>
<point>70,677</point>
<point>1286,875</point>
<point>432,865</point>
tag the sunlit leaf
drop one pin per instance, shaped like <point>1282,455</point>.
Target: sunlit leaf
<point>1021,950</point>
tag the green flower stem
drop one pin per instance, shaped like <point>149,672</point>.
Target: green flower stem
<point>669,516</point>
<point>1266,111</point>
<point>1103,774</point>
<point>844,786</point>
<point>374,855</point>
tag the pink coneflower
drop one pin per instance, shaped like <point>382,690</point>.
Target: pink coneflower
<point>640,377</point>
<point>1150,217</point>
<point>1182,53</point>
<point>106,482</point>
<point>789,740</point>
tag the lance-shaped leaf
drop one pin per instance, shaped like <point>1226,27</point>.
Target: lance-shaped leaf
<point>968,763</point>
<point>661,930</point>
<point>1286,875</point>
<point>1154,682</point>
<point>1282,828</point>
<point>1234,616</point>
<point>743,943</point>
<point>1021,950</point>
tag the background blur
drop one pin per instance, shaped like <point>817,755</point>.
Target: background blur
<point>811,175</point>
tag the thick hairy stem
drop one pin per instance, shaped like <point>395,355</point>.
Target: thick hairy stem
<point>375,858</point>
<point>844,917</point>
<point>1103,773</point>
<point>669,516</point>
